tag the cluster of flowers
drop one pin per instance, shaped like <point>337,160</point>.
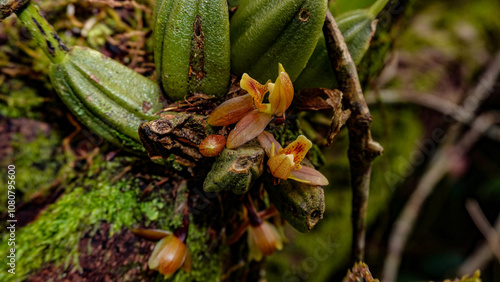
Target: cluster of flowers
<point>251,116</point>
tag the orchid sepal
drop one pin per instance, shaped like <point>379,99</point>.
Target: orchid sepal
<point>255,89</point>
<point>281,93</point>
<point>271,146</point>
<point>309,175</point>
<point>231,111</point>
<point>169,255</point>
<point>247,129</point>
<point>263,240</point>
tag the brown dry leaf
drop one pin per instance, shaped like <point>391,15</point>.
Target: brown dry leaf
<point>315,99</point>
<point>360,272</point>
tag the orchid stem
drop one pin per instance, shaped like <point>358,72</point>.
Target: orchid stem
<point>253,217</point>
<point>43,32</point>
<point>362,149</point>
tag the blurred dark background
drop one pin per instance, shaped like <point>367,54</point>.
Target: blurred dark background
<point>443,66</point>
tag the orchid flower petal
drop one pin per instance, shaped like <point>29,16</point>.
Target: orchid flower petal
<point>270,87</point>
<point>172,257</point>
<point>265,140</point>
<point>248,128</point>
<point>263,239</point>
<point>254,252</point>
<point>231,111</point>
<point>154,259</point>
<point>286,85</point>
<point>309,175</point>
<point>281,94</point>
<point>255,89</point>
<point>277,235</point>
<point>188,263</point>
<point>298,149</point>
<point>168,255</point>
<point>281,166</point>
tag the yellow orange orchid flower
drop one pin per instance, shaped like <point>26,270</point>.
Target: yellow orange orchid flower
<point>263,237</point>
<point>169,254</point>
<point>263,240</point>
<point>285,163</point>
<point>248,110</point>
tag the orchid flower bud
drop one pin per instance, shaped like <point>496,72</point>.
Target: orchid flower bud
<point>170,254</point>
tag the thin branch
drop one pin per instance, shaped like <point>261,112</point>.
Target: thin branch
<point>432,102</point>
<point>481,256</point>
<point>439,166</point>
<point>362,149</point>
<point>122,4</point>
<point>490,233</point>
<point>404,224</point>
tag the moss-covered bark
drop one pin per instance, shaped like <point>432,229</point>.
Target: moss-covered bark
<point>102,204</point>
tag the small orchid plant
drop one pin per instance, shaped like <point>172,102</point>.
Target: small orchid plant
<point>252,116</point>
<point>248,110</point>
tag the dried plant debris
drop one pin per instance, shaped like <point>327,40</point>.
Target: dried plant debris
<point>315,99</point>
<point>360,273</point>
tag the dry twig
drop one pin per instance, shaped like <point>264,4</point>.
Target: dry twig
<point>435,103</point>
<point>122,4</point>
<point>490,233</point>
<point>362,149</point>
<point>481,256</point>
<point>438,168</point>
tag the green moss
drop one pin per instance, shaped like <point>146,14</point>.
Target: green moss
<point>90,200</point>
<point>97,35</point>
<point>207,261</point>
<point>37,165</point>
<point>17,100</point>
